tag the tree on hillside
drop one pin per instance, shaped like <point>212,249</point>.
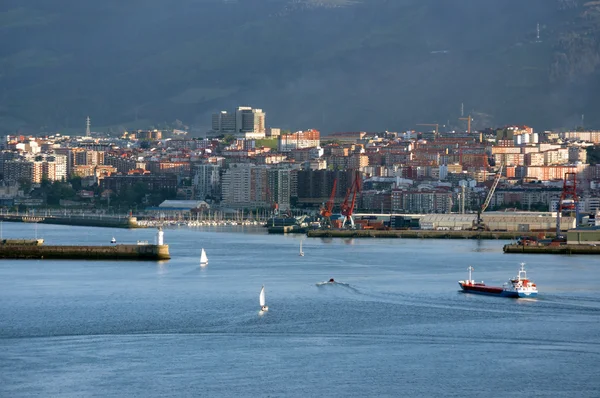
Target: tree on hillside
<point>593,155</point>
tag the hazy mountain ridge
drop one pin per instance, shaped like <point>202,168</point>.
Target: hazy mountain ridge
<point>334,65</point>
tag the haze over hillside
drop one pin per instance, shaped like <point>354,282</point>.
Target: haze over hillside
<point>335,65</point>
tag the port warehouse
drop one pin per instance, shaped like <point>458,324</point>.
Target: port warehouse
<point>495,221</point>
<point>584,236</point>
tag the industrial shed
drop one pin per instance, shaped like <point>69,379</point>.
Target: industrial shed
<point>447,222</point>
<point>584,237</point>
<point>524,222</point>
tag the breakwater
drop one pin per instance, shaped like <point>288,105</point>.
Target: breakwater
<point>22,242</point>
<point>116,252</point>
<point>413,234</point>
<point>79,220</point>
<point>558,249</point>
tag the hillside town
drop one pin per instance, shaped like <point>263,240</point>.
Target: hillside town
<point>242,165</point>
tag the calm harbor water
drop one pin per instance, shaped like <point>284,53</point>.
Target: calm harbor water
<point>399,328</point>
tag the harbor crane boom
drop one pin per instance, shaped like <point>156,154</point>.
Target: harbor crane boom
<point>479,223</point>
<point>327,209</point>
<point>469,119</point>
<point>436,125</point>
<point>348,208</point>
<point>272,202</point>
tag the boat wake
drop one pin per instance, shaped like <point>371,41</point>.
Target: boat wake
<point>332,284</point>
<point>346,286</point>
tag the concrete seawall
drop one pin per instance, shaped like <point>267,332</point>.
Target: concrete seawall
<point>561,249</point>
<point>22,242</point>
<point>116,252</point>
<point>413,234</point>
<point>85,221</point>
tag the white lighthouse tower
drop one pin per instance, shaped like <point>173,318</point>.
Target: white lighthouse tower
<point>160,237</point>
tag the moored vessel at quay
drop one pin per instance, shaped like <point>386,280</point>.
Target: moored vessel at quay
<point>518,287</point>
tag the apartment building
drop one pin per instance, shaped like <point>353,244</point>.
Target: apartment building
<point>300,139</point>
<point>246,185</point>
<point>154,183</point>
<point>244,121</point>
<point>37,168</point>
<point>589,136</point>
<point>280,187</point>
<point>546,173</point>
<point>426,201</point>
<point>18,169</point>
<point>207,181</point>
<point>123,164</point>
<point>315,186</point>
<point>556,157</point>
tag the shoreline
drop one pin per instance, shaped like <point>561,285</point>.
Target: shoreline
<point>418,234</point>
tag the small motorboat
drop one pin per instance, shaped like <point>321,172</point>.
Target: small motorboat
<point>113,240</point>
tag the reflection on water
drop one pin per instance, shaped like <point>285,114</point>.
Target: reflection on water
<point>161,268</point>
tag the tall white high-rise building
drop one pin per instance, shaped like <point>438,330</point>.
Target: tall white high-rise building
<point>246,185</point>
<point>207,181</point>
<point>236,184</point>
<point>245,122</point>
<point>280,187</point>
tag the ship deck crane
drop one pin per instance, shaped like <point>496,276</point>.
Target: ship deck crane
<point>348,207</point>
<point>480,226</point>
<point>327,209</point>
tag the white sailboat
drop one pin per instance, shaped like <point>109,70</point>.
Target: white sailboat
<point>301,252</point>
<point>261,300</point>
<point>203,258</point>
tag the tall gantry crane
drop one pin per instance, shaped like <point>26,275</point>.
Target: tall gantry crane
<point>436,125</point>
<point>480,226</point>
<point>348,207</point>
<point>469,119</point>
<point>274,205</point>
<point>327,210</point>
<point>569,189</point>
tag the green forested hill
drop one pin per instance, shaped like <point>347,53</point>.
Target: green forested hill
<point>329,64</point>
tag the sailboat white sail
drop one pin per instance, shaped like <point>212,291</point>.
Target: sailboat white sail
<point>203,258</point>
<point>261,300</point>
<point>301,252</point>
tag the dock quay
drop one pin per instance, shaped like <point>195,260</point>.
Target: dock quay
<point>549,249</point>
<point>78,220</point>
<point>413,234</point>
<point>287,229</point>
<point>21,242</point>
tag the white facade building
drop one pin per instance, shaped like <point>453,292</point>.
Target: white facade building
<point>207,181</point>
<point>244,122</point>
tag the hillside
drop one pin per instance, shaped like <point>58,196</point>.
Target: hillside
<point>329,64</point>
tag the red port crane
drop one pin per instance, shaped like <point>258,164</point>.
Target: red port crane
<point>569,189</point>
<point>327,209</point>
<point>274,205</point>
<point>348,208</point>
